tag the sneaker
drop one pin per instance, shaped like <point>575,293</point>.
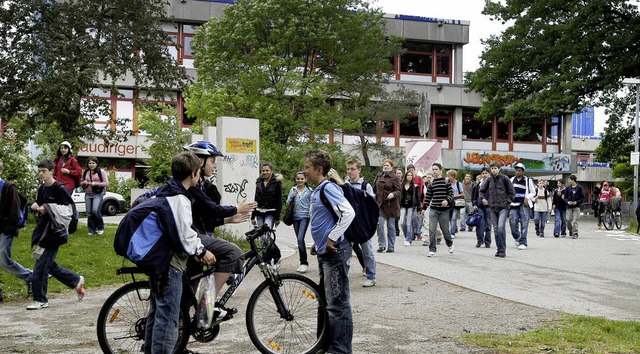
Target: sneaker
<point>501,254</point>
<point>439,241</point>
<point>451,249</point>
<point>364,272</point>
<point>517,241</point>
<point>407,243</point>
<point>453,236</point>
<point>431,254</point>
<point>541,235</point>
<point>487,245</point>
<point>91,234</point>
<point>463,229</point>
<point>381,249</point>
<point>563,235</point>
<point>38,305</point>
<point>556,235</point>
<point>478,245</point>
<point>425,242</point>
<point>522,247</point>
<point>369,283</point>
<point>302,268</point>
<point>80,288</point>
<point>100,232</point>
<point>390,250</point>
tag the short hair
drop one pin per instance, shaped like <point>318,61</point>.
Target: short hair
<point>452,173</point>
<point>483,169</point>
<point>389,161</point>
<point>184,165</point>
<point>573,178</point>
<point>46,163</point>
<point>410,166</point>
<point>497,164</point>
<point>439,166</point>
<point>268,164</point>
<point>319,158</point>
<point>354,162</point>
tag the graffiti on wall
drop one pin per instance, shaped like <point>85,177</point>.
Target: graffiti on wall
<point>238,189</point>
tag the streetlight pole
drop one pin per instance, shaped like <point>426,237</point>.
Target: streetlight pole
<point>629,81</point>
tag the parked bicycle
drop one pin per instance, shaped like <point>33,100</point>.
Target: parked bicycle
<point>285,314</point>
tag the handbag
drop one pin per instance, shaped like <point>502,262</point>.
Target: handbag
<point>459,203</point>
<point>474,219</point>
<point>288,215</point>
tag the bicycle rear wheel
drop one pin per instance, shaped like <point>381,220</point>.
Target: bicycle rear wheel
<point>123,317</point>
<point>304,332</point>
<point>617,217</point>
<point>608,220</point>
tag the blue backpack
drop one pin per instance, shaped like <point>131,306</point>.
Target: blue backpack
<point>364,225</point>
<point>24,208</point>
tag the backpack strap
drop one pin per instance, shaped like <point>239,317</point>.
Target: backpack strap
<point>325,201</point>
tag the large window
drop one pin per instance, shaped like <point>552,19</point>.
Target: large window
<point>409,126</point>
<point>418,58</point>
<point>443,59</point>
<point>442,118</point>
<point>527,131</point>
<point>553,130</point>
<point>387,127</point>
<point>475,129</point>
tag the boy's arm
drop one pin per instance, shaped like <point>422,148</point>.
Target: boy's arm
<point>181,210</point>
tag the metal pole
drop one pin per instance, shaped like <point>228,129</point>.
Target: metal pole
<point>637,136</point>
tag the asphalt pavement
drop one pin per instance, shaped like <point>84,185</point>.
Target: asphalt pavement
<point>597,274</point>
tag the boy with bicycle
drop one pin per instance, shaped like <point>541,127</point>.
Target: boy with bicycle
<point>332,248</point>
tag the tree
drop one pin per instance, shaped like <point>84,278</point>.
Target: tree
<point>163,126</point>
<point>54,53</point>
<point>556,56</point>
<point>302,67</point>
<point>18,166</point>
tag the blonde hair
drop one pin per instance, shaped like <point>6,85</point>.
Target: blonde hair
<point>452,173</point>
<point>334,174</point>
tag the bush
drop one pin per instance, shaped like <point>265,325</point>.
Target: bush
<point>121,185</point>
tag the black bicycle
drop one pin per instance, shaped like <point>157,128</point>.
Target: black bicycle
<point>285,314</point>
<point>612,217</point>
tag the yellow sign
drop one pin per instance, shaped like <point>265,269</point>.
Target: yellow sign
<point>246,146</point>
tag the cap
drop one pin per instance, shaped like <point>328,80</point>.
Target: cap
<point>519,165</point>
<point>66,143</point>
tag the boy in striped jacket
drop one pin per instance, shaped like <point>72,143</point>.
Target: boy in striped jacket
<point>439,197</point>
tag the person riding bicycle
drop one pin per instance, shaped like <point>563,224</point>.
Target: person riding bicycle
<point>603,200</point>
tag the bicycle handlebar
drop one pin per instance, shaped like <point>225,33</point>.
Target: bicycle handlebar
<point>257,232</point>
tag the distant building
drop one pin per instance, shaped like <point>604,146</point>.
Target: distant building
<point>583,123</point>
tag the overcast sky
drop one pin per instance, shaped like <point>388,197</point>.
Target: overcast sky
<point>480,28</point>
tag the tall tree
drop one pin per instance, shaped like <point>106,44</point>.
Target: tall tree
<point>301,67</point>
<point>556,56</point>
<point>53,53</point>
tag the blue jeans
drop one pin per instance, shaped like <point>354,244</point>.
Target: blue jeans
<point>334,279</point>
<point>540,220</point>
<point>417,224</point>
<point>93,205</point>
<point>499,221</point>
<point>519,223</point>
<point>8,264</point>
<point>300,228</point>
<point>76,214</point>
<point>406,223</point>
<point>265,219</point>
<point>390,237</point>
<point>454,221</point>
<point>483,232</point>
<point>560,222</point>
<point>369,258</point>
<point>441,218</point>
<point>46,265</point>
<point>161,331</point>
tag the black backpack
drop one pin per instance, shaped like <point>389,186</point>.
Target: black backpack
<point>24,207</point>
<point>364,225</point>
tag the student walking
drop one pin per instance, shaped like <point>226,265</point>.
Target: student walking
<point>67,170</point>
<point>300,194</point>
<point>439,197</point>
<point>520,208</point>
<point>9,218</point>
<point>541,208</point>
<point>332,248</point>
<point>268,197</point>
<point>387,189</point>
<point>560,211</point>
<point>409,202</point>
<point>483,231</point>
<point>574,195</point>
<point>94,181</point>
<point>498,194</point>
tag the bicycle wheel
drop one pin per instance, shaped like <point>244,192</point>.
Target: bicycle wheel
<point>122,320</point>
<point>304,332</point>
<point>608,220</point>
<point>617,217</point>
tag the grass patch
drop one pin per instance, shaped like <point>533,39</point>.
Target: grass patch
<point>572,334</point>
<point>633,226</point>
<point>90,256</point>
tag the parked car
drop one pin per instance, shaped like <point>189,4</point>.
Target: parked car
<point>112,203</point>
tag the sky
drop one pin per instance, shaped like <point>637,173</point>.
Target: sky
<point>481,27</point>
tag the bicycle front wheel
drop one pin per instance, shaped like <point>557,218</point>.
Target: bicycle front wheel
<point>304,331</point>
<point>608,220</point>
<point>123,317</point>
<point>618,219</point>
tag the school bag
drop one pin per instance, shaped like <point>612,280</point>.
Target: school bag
<point>95,189</point>
<point>366,208</point>
<point>24,208</point>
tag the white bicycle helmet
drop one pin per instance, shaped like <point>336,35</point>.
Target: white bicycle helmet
<point>203,148</point>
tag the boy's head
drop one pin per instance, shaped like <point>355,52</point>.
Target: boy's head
<point>354,169</point>
<point>317,164</point>
<point>185,165</point>
<point>495,167</point>
<point>436,168</point>
<point>45,170</point>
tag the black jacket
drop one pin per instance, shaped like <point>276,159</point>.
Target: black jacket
<point>269,197</point>
<point>9,209</point>
<point>558,200</point>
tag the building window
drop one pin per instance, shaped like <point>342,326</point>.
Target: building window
<point>527,131</point>
<point>475,129</point>
<point>409,126</point>
<point>502,133</point>
<point>442,121</point>
<point>443,59</point>
<point>187,52</point>
<point>387,127</point>
<point>553,130</point>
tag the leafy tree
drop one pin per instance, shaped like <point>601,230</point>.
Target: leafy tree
<point>163,126</point>
<point>55,52</point>
<point>555,56</point>
<point>17,164</point>
<point>301,67</point>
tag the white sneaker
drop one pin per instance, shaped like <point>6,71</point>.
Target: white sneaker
<point>407,243</point>
<point>431,254</point>
<point>80,288</point>
<point>368,283</point>
<point>38,305</point>
<point>451,249</point>
<point>453,236</point>
<point>302,268</point>
<point>100,232</point>
<point>522,247</point>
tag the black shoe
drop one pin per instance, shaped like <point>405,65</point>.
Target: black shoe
<point>389,250</point>
<point>487,245</point>
<point>478,245</point>
<point>556,235</point>
<point>563,235</point>
<point>381,249</point>
<point>541,235</point>
<point>500,254</point>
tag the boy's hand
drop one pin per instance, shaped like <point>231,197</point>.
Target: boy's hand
<point>238,218</point>
<point>330,246</point>
<point>313,250</point>
<point>208,258</point>
<point>244,207</point>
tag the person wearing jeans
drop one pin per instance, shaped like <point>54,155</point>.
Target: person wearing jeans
<point>497,193</point>
<point>387,187</point>
<point>483,231</point>
<point>438,197</point>
<point>560,211</point>
<point>542,208</point>
<point>520,212</point>
<point>574,195</point>
<point>300,194</point>
<point>94,181</point>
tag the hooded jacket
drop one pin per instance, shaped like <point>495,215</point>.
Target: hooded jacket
<point>269,196</point>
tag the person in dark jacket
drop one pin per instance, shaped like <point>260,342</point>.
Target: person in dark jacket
<point>483,232</point>
<point>387,189</point>
<point>439,197</point>
<point>9,217</point>
<point>497,193</point>
<point>409,202</point>
<point>574,195</point>
<point>268,197</point>
<point>560,211</point>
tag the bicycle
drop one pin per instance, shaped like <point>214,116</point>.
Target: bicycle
<point>285,314</point>
<point>612,217</point>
